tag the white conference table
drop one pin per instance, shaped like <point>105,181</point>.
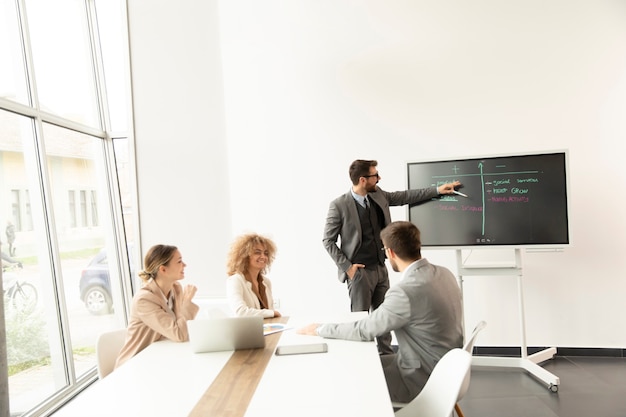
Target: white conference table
<point>168,379</point>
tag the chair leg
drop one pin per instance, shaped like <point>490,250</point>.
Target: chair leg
<point>459,413</point>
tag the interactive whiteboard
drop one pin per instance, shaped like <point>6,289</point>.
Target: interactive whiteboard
<point>515,200</point>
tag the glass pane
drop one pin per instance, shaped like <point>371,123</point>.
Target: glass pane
<point>114,45</point>
<point>62,59</point>
<point>36,364</point>
<point>12,73</point>
<point>124,170</point>
<point>83,224</point>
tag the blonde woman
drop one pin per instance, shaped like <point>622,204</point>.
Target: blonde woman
<point>249,290</point>
<point>161,308</point>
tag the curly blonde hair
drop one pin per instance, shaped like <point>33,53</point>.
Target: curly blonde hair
<point>241,249</point>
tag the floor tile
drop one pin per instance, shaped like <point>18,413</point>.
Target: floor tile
<point>589,387</point>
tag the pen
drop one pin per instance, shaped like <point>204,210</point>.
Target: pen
<point>459,193</point>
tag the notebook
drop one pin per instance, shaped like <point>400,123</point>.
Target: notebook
<point>227,333</point>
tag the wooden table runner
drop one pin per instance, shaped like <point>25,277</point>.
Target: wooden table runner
<point>233,388</point>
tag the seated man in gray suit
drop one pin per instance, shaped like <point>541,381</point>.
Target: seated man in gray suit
<point>423,309</point>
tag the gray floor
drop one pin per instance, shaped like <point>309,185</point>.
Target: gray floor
<point>589,387</point>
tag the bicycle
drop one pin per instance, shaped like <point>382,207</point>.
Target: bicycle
<point>19,294</point>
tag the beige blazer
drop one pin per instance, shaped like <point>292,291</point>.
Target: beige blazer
<point>151,319</point>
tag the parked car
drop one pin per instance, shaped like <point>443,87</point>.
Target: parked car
<point>95,284</point>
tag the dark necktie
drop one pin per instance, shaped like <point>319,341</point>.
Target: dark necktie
<point>367,203</point>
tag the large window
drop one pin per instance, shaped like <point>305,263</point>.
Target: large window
<point>66,193</point>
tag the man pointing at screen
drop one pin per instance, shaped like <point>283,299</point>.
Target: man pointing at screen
<point>358,217</point>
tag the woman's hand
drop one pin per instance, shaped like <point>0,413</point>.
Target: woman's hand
<point>189,291</point>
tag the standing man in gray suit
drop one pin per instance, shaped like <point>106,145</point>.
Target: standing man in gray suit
<point>424,310</point>
<point>358,218</point>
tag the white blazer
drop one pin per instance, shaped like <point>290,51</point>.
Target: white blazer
<point>243,301</point>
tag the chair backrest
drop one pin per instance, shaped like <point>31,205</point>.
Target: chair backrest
<point>108,347</point>
<point>439,395</point>
<point>469,343</point>
<point>469,347</point>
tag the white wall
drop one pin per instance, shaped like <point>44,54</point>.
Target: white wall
<point>183,190</point>
<point>248,114</point>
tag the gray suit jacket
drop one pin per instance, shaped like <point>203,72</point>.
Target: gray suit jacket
<point>343,221</point>
<point>424,310</point>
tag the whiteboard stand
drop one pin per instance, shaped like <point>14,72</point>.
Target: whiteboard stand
<point>526,362</point>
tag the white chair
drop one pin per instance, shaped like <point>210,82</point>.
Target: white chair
<point>108,347</point>
<point>469,343</point>
<point>440,394</point>
<point>469,347</point>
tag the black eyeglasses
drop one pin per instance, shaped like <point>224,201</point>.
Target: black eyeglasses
<point>372,175</point>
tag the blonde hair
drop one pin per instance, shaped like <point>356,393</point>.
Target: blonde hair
<point>155,257</point>
<point>241,249</point>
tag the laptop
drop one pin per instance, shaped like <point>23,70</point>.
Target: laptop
<point>226,333</point>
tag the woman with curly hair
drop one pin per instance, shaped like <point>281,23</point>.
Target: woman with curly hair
<point>249,290</point>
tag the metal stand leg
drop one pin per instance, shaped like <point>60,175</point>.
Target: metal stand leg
<point>526,362</point>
